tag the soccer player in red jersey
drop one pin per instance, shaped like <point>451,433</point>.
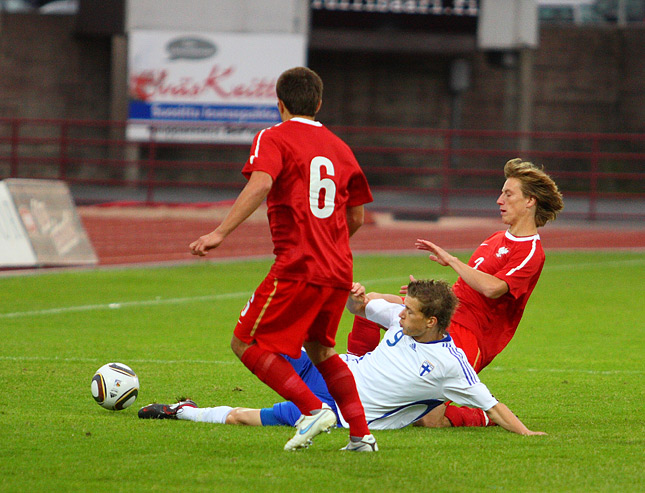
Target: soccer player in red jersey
<point>315,193</point>
<point>495,285</point>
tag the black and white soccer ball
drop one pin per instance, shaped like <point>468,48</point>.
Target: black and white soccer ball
<point>115,386</point>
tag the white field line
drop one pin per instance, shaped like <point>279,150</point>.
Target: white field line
<point>605,263</point>
<point>566,370</point>
<point>96,360</point>
<point>233,362</point>
<point>192,299</point>
<point>124,304</point>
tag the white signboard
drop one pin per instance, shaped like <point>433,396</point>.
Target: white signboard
<point>206,87</point>
<point>53,232</point>
<point>15,246</point>
<point>507,25</point>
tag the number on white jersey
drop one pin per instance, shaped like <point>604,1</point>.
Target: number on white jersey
<point>318,184</point>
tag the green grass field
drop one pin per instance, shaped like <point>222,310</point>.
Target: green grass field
<point>574,370</point>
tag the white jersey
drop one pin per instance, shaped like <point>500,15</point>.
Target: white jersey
<point>402,379</point>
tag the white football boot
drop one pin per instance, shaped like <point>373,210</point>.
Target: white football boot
<point>365,444</point>
<point>307,427</point>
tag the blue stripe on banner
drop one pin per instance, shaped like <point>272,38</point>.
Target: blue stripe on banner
<point>468,371</point>
<point>141,110</point>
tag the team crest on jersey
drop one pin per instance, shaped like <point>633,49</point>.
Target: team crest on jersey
<point>426,367</point>
<point>501,251</point>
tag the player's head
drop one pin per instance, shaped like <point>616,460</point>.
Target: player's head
<point>435,299</point>
<point>300,90</point>
<point>536,183</point>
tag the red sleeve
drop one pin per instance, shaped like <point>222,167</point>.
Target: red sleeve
<point>359,190</point>
<point>266,155</point>
<point>522,269</point>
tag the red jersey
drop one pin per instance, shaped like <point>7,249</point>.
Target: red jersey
<point>518,261</point>
<point>315,178</point>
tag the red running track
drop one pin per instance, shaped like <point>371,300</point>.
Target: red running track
<point>135,237</point>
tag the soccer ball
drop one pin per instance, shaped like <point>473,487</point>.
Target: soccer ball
<point>115,386</point>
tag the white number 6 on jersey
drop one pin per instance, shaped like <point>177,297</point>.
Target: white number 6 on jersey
<point>318,184</point>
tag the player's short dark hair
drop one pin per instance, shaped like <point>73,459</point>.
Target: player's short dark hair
<point>536,183</point>
<point>300,89</point>
<point>436,298</point>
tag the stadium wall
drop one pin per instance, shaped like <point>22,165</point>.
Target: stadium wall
<point>47,71</point>
<point>586,79</point>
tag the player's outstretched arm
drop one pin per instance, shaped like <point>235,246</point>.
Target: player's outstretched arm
<point>247,202</point>
<point>391,298</point>
<point>486,284</point>
<point>501,415</point>
<point>358,300</point>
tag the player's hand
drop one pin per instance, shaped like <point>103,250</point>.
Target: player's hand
<point>404,288</point>
<point>205,243</point>
<point>437,254</point>
<point>358,292</point>
<point>530,432</point>
<point>356,300</point>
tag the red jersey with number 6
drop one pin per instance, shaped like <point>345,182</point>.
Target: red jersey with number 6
<point>518,261</point>
<point>315,179</point>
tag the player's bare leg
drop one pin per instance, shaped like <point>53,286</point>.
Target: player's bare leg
<point>244,416</point>
<point>446,416</point>
<point>435,418</point>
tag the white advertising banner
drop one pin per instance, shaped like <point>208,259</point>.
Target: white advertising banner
<point>15,246</point>
<point>206,87</point>
<point>53,231</point>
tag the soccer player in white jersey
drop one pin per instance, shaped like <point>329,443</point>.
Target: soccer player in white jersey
<point>415,368</point>
<point>494,286</point>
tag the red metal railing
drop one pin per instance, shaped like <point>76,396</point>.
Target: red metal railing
<point>411,170</point>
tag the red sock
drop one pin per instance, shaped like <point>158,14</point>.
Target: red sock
<point>342,387</point>
<point>364,337</point>
<point>277,373</point>
<point>466,416</point>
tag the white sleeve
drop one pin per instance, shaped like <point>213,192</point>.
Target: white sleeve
<point>384,313</point>
<point>476,395</point>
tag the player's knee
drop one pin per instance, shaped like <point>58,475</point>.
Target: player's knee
<point>317,352</point>
<point>235,417</point>
<point>238,347</point>
<point>435,419</point>
<point>440,422</point>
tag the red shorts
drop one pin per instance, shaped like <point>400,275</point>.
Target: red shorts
<point>281,315</point>
<point>467,342</point>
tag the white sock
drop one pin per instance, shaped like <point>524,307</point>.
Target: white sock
<point>204,414</point>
